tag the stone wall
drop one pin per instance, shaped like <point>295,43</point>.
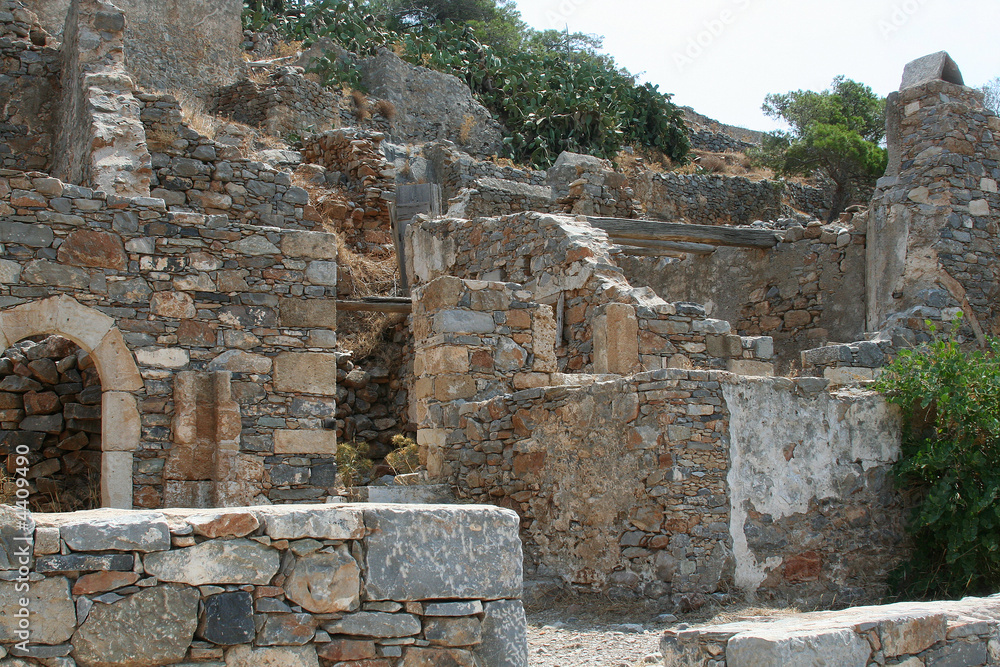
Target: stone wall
<point>811,200</point>
<point>696,121</point>
<point>936,215</point>
<point>296,587</point>
<point>708,200</point>
<point>100,141</point>
<point>229,324</point>
<point>911,634</point>
<point>29,86</point>
<point>454,170</point>
<point>805,292</point>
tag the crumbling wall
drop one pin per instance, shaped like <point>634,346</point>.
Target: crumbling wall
<point>289,586</point>
<point>708,200</point>
<point>455,170</point>
<point>176,293</point>
<point>803,293</point>
<point>29,85</point>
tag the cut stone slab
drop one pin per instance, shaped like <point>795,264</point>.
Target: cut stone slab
<point>277,656</point>
<point>228,619</point>
<point>102,582</point>
<point>84,563</point>
<point>224,524</point>
<point>239,561</point>
<point>438,657</point>
<point>325,583</point>
<point>151,627</point>
<point>321,522</point>
<point>287,630</point>
<point>464,608</point>
<point>505,634</point>
<point>841,647</point>
<point>375,624</point>
<point>402,561</point>
<point>934,67</point>
<point>14,525</point>
<point>453,631</point>
<point>909,636</point>
<point>52,613</point>
<point>133,531</point>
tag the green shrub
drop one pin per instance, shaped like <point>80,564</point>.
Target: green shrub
<point>950,402</point>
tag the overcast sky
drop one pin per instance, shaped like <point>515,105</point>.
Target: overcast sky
<point>723,56</point>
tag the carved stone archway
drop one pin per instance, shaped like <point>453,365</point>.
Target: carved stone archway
<point>96,333</point>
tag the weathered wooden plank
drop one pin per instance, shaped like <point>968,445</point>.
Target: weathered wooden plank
<point>382,305</point>
<point>674,246</point>
<point>649,230</point>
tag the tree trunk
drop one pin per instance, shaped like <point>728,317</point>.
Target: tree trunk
<point>841,199</point>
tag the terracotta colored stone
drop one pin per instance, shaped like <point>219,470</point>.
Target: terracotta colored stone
<point>172,304</point>
<point>100,582</point>
<point>103,250</point>
<point>195,333</point>
<point>44,403</point>
<point>224,524</point>
<point>347,649</point>
<point>803,567</point>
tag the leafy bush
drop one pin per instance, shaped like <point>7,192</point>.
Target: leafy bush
<point>552,91</point>
<point>950,401</point>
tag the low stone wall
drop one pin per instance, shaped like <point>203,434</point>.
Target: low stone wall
<point>810,200</point>
<point>905,634</point>
<point>29,86</point>
<point>374,585</point>
<point>213,339</point>
<point>803,293</point>
<point>708,200</point>
<point>455,170</point>
<point>717,142</point>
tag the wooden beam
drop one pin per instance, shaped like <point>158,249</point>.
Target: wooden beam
<point>672,246</point>
<point>650,230</point>
<point>376,305</point>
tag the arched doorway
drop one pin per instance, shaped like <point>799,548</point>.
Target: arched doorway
<point>97,334</point>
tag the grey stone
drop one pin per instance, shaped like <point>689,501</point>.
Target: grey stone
<point>287,630</point>
<point>322,273</point>
<point>453,631</point>
<point>870,355</point>
<point>238,561</point>
<point>321,523</point>
<point>44,272</point>
<point>152,627</point>
<point>138,531</point>
<point>402,561</point>
<point>375,624</point>
<point>841,647</point>
<point>464,321</point>
<point>228,619</point>
<point>934,67</point>
<point>50,605</point>
<point>16,530</point>
<point>505,634</point>
<point>463,608</point>
<point>43,652</point>
<point>277,656</point>
<point>43,423</point>
<point>134,290</point>
<point>34,236</point>
<point>18,384</point>
<point>85,563</point>
<point>325,583</point>
<point>958,654</point>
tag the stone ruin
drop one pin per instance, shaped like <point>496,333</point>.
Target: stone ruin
<point>607,378</point>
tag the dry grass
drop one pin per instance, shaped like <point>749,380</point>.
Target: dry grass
<point>286,49</point>
<point>465,132</point>
<point>195,115</point>
<point>362,109</point>
<point>260,76</point>
<point>386,109</point>
<point>399,48</point>
<point>641,159</point>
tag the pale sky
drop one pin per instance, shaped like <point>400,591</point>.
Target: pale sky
<point>722,57</point>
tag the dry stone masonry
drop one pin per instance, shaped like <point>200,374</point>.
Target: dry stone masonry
<point>304,586</point>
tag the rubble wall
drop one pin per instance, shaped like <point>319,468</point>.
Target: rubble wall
<point>183,304</point>
<point>708,200</point>
<point>297,587</point>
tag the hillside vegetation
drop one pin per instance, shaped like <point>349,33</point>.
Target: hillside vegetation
<point>552,91</point>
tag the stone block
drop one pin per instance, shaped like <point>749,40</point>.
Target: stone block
<point>307,313</point>
<point>504,634</point>
<point>845,375</point>
<point>85,563</point>
<point>750,367</point>
<point>449,388</point>
<point>909,635</point>
<point>228,619</point>
<point>934,67</point>
<point>461,631</point>
<point>460,608</point>
<point>482,542</point>
<point>321,522</point>
<point>306,372</point>
<point>272,656</point>
<point>375,624</point>
<point>325,583</point>
<point>223,524</point>
<point>616,340</point>
<point>463,322</point>
<point>163,357</point>
<point>238,561</point>
<point>238,361</point>
<point>841,647</point>
<point>437,657</point>
<point>302,441</point>
<point>347,649</point>
<point>286,630</point>
<point>102,582</point>
<point>52,611</point>
<point>10,272</point>
<point>121,425</point>
<point>322,273</point>
<point>102,250</point>
<point>309,245</point>
<point>175,305</point>
<point>134,531</point>
<point>115,363</point>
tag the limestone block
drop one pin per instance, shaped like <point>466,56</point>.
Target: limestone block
<point>482,542</point>
<point>464,321</point>
<point>176,305</point>
<point>375,624</point>
<point>504,635</point>
<point>287,630</point>
<point>461,631</point>
<point>307,313</point>
<point>322,273</point>
<point>321,522</point>
<point>238,561</point>
<point>441,293</point>
<point>616,340</point>
<point>103,250</point>
<point>116,480</point>
<point>238,361</point>
<point>842,376</point>
<point>303,441</point>
<point>151,627</point>
<point>311,245</point>
<point>61,314</point>
<point>325,583</point>
<point>224,524</point>
<point>10,272</point>
<point>434,657</point>
<point>841,647</point>
<point>750,367</point>
<point>255,245</point>
<point>134,531</point>
<point>162,357</point>
<point>52,612</point>
<point>911,635</point>
<point>115,363</point>
<point>934,67</point>
<point>306,372</point>
<point>979,208</point>
<point>449,388</point>
<point>120,423</point>
<point>272,656</point>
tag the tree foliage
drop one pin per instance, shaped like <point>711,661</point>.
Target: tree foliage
<point>836,132</point>
<point>552,91</point>
<point>950,401</point>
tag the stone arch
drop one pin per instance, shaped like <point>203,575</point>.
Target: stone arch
<point>96,333</point>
